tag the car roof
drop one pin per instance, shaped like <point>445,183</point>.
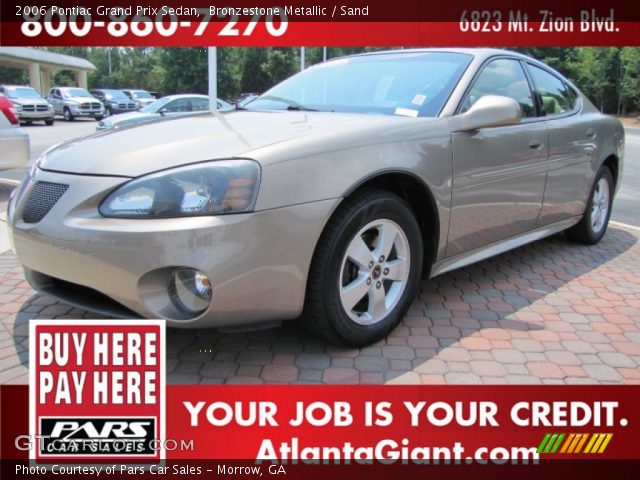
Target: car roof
<point>481,53</point>
<point>184,95</point>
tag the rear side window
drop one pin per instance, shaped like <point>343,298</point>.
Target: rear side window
<point>200,104</point>
<point>556,97</point>
<point>503,77</point>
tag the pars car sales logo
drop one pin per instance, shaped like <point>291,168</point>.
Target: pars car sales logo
<point>97,389</point>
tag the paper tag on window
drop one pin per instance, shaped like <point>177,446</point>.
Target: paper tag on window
<point>419,99</point>
<point>406,112</point>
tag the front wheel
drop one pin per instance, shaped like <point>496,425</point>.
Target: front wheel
<point>595,218</point>
<point>365,271</point>
<point>67,115</point>
<point>49,122</point>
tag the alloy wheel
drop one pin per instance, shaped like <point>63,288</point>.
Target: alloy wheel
<point>374,272</point>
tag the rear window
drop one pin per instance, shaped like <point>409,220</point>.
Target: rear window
<point>555,96</point>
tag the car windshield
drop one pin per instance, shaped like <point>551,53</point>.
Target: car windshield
<point>141,94</point>
<point>414,84</point>
<point>22,92</point>
<point>115,95</point>
<point>76,92</point>
<point>155,106</point>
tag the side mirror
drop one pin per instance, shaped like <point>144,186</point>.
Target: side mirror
<point>489,111</point>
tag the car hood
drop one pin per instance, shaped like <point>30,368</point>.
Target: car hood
<point>80,99</point>
<point>154,146</point>
<point>29,101</point>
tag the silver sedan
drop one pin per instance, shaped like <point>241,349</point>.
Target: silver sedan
<point>167,107</point>
<point>326,199</point>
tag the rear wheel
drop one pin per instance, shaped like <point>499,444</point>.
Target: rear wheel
<point>365,270</point>
<point>67,115</point>
<point>595,219</point>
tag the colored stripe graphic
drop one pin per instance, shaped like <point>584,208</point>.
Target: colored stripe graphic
<point>603,447</point>
<point>543,443</point>
<point>569,441</point>
<point>573,443</point>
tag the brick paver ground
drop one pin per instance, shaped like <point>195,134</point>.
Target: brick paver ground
<point>550,312</point>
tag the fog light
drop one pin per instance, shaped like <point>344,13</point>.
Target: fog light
<point>190,291</point>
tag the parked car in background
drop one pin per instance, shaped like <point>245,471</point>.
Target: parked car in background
<point>326,199</point>
<point>169,107</point>
<point>141,97</point>
<point>115,101</point>
<point>74,102</point>
<point>243,99</point>
<point>14,142</point>
<point>30,105</point>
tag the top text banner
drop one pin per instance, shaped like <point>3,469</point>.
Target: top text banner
<point>339,23</point>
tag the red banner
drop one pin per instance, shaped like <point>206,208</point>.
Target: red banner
<point>261,23</point>
<point>396,424</point>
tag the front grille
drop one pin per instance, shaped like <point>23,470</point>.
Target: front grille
<point>42,198</point>
<point>34,108</point>
<point>90,106</point>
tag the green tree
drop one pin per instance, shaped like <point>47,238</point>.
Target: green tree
<point>186,70</point>
<point>281,63</point>
<point>255,77</point>
<point>630,85</point>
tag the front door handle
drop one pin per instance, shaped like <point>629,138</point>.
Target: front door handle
<point>591,133</point>
<point>535,144</point>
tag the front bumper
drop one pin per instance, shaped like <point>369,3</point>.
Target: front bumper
<point>48,115</point>
<point>85,112</point>
<point>257,262</point>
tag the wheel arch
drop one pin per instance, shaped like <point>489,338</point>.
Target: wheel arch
<point>613,163</point>
<point>413,190</point>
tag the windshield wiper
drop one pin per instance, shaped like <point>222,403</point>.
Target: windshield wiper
<point>291,105</point>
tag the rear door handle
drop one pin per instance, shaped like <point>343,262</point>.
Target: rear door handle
<point>535,144</point>
<point>591,133</point>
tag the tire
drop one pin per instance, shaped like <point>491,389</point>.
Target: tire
<point>67,115</point>
<point>49,122</point>
<point>358,302</point>
<point>108,112</point>
<point>595,218</point>
<point>98,118</point>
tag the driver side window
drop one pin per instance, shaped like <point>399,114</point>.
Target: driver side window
<point>503,77</point>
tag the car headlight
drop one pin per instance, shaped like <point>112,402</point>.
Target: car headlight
<point>18,107</point>
<point>211,188</point>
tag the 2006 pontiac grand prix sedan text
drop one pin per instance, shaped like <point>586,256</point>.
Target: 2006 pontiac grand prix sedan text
<point>325,199</point>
